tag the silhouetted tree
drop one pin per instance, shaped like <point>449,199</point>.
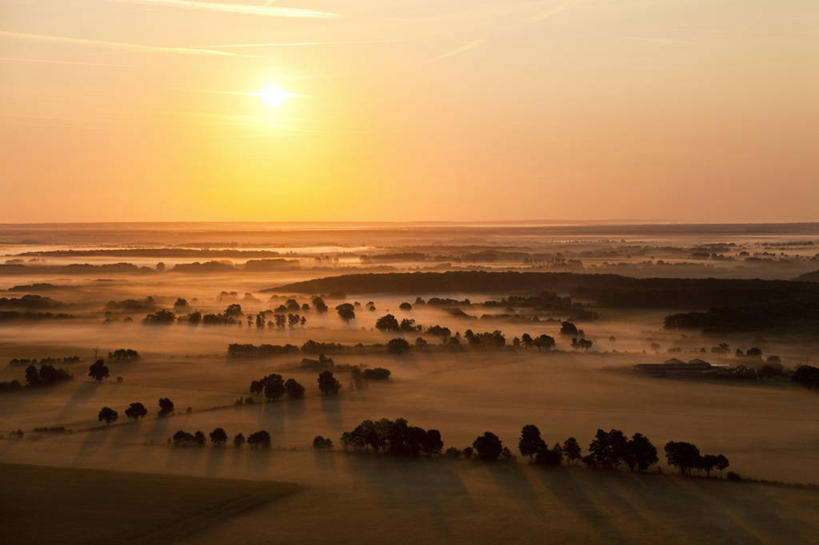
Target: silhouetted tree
<point>165,406</point>
<point>239,440</point>
<point>608,449</point>
<point>273,386</point>
<point>544,342</point>
<point>259,439</point>
<point>568,328</point>
<point>530,441</point>
<point>549,456</point>
<point>136,411</point>
<point>683,455</point>
<point>293,389</point>
<point>346,311</point>
<point>468,452</point>
<point>432,442</point>
<point>319,304</point>
<point>328,385</point>
<point>572,450</point>
<point>387,323</point>
<point>488,446</point>
<point>405,306</point>
<point>397,346</point>
<point>642,454</point>
<point>98,370</point>
<point>107,415</point>
<point>218,437</point>
<point>199,438</point>
<point>322,443</point>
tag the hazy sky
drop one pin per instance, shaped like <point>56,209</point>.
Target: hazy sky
<point>679,110</point>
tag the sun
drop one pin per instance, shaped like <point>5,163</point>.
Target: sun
<point>274,96</point>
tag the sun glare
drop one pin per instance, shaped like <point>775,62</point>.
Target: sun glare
<point>274,96</point>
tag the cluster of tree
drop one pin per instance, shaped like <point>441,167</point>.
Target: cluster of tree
<point>581,343</point>
<point>486,340</point>
<point>237,350</point>
<point>132,305</point>
<point>219,438</point>
<point>160,317</point>
<point>25,362</point>
<point>789,315</point>
<point>319,304</point>
<point>44,376</point>
<point>543,342</point>
<point>687,457</point>
<point>388,322</point>
<point>135,411</point>
<point>279,320</point>
<point>439,331</point>
<point>398,346</point>
<point>322,443</point>
<point>124,355</point>
<point>273,386</point>
<point>29,302</point>
<point>16,316</point>
<point>396,438</point>
<point>375,373</point>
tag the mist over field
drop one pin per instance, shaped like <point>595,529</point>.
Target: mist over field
<point>195,314</point>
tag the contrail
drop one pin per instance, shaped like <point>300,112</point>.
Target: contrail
<point>118,45</point>
<point>242,9</point>
<point>458,50</point>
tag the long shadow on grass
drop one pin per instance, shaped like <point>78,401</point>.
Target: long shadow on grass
<point>426,485</point>
<point>569,490</point>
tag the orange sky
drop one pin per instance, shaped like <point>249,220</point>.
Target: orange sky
<point>677,110</point>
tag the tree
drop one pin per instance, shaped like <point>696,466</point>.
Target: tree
<point>273,386</point>
<point>387,323</point>
<point>432,442</point>
<point>259,439</point>
<point>107,415</point>
<point>543,342</point>
<point>199,438</point>
<point>608,449</point>
<point>165,406</point>
<point>683,455</point>
<point>293,389</point>
<point>405,306</point>
<point>721,462</point>
<point>319,304</point>
<point>218,437</point>
<point>239,440</point>
<point>468,452</point>
<point>98,370</point>
<point>397,346</point>
<point>642,454</point>
<point>32,376</point>
<point>530,441</point>
<point>549,456</point>
<point>572,450</point>
<point>322,443</point>
<point>346,311</point>
<point>488,446</point>
<point>328,385</point>
<point>568,328</point>
<point>136,411</point>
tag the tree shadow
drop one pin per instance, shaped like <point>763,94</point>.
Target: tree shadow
<point>569,491</point>
<point>510,477</point>
<point>331,406</point>
<point>425,485</point>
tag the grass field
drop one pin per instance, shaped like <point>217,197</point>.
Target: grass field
<point>81,506</point>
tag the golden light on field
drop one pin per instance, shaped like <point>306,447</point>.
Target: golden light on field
<point>274,96</point>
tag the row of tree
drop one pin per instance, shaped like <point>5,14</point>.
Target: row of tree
<point>259,439</point>
<point>609,450</point>
<point>135,411</point>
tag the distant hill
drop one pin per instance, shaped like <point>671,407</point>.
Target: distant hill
<point>606,289</point>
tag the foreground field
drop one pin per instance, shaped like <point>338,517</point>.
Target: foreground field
<point>80,506</point>
<point>371,500</point>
